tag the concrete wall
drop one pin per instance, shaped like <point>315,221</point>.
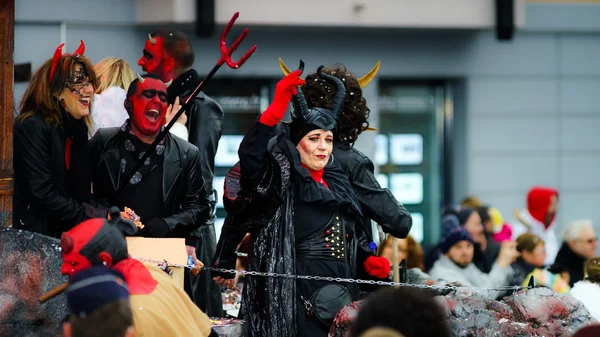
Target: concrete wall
<point>533,118</point>
<point>526,109</point>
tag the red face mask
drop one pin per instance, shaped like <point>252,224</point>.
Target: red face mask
<point>71,244</point>
<point>149,106</point>
<point>152,56</point>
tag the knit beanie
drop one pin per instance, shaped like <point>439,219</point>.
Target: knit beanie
<point>453,233</point>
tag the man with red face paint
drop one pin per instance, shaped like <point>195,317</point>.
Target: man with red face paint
<point>160,306</point>
<point>538,218</point>
<point>167,191</point>
<point>169,54</point>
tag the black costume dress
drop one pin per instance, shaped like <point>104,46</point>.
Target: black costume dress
<point>298,226</point>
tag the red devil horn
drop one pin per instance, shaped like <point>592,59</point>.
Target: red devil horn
<point>81,49</point>
<point>55,58</point>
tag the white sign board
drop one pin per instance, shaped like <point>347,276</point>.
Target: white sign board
<point>406,149</point>
<point>407,187</point>
<point>227,152</point>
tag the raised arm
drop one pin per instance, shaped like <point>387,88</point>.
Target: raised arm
<point>253,148</point>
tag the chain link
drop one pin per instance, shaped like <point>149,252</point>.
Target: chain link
<point>335,279</point>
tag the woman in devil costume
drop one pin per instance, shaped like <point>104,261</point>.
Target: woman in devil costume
<point>289,192</point>
<point>52,164</point>
<point>377,204</point>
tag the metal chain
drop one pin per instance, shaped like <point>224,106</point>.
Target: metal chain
<point>335,279</point>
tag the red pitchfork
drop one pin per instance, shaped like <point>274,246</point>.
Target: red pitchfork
<point>225,58</point>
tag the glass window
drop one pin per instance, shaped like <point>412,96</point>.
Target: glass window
<point>409,157</point>
<point>242,100</point>
<point>407,187</point>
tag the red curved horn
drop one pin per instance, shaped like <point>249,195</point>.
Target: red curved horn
<point>81,49</point>
<point>55,58</point>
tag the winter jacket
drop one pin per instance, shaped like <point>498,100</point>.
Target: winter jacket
<point>471,276</point>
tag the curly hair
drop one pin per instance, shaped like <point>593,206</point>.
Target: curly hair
<point>412,312</point>
<point>355,113</point>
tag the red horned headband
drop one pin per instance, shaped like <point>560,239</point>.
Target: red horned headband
<point>58,54</point>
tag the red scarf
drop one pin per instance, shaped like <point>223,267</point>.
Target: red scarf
<point>138,278</point>
<point>68,153</point>
<point>316,175</point>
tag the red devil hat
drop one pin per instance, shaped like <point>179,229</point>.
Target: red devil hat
<point>58,54</point>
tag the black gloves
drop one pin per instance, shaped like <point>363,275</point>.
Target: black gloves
<point>155,228</point>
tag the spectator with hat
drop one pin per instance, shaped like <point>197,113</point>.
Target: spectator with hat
<point>471,221</point>
<point>456,263</point>
<point>98,302</point>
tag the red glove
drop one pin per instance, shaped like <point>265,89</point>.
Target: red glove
<point>284,91</point>
<point>377,266</point>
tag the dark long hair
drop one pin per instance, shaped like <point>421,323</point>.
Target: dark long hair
<point>355,112</point>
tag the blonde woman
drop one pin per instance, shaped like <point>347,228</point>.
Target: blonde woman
<point>115,76</point>
<point>113,72</point>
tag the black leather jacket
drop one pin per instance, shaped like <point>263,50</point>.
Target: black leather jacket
<point>183,186</point>
<point>376,203</point>
<point>41,202</point>
<point>204,124</point>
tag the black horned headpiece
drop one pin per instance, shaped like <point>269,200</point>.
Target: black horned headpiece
<point>306,119</point>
